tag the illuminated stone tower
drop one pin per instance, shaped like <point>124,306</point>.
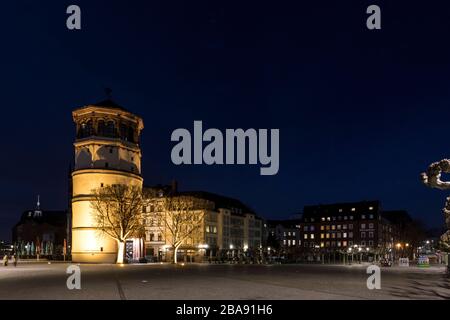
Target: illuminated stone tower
<point>106,152</point>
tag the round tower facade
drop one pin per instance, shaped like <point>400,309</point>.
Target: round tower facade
<point>107,152</point>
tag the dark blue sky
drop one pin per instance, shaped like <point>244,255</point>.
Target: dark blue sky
<point>361,113</point>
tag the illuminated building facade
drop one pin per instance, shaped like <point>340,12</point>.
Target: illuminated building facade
<point>107,152</point>
<point>229,229</point>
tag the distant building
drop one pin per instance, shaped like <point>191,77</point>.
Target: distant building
<point>41,232</point>
<point>337,231</point>
<point>5,248</point>
<point>283,233</point>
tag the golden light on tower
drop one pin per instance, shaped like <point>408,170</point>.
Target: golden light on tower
<point>107,152</point>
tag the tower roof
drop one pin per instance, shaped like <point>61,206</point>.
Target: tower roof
<point>108,103</point>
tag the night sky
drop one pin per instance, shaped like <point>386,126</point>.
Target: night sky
<point>361,113</point>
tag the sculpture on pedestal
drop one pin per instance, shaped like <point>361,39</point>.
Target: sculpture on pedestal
<point>432,178</point>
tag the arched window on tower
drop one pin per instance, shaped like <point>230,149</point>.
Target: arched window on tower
<point>110,129</point>
<point>101,128</point>
<point>130,135</point>
<point>86,129</point>
<point>123,131</point>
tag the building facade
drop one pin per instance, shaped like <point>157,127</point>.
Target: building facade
<point>41,233</point>
<point>283,234</point>
<point>107,152</point>
<point>346,228</point>
<point>228,229</point>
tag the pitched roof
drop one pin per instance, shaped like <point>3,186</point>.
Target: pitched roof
<point>220,201</point>
<point>37,216</point>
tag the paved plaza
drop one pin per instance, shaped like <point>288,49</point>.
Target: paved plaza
<point>204,282</point>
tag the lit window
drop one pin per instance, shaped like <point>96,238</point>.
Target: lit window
<point>344,243</point>
<point>293,233</point>
<point>323,218</point>
<point>322,227</point>
<point>322,244</point>
<point>305,236</point>
<point>328,219</point>
<point>289,233</point>
<point>353,209</point>
<point>338,243</point>
<point>344,227</point>
<point>284,242</point>
<point>370,208</point>
<point>333,235</point>
<point>328,236</point>
<point>311,235</point>
<point>322,236</point>
<point>328,228</point>
<point>293,242</point>
<point>333,227</point>
<point>339,227</point>
<point>344,235</point>
<point>340,210</point>
<point>289,243</point>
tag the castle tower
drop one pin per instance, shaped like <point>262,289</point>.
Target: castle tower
<point>106,152</point>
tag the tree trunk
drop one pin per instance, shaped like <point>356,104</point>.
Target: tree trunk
<point>120,252</point>
<point>175,251</point>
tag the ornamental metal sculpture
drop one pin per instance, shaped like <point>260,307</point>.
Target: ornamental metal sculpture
<point>432,179</point>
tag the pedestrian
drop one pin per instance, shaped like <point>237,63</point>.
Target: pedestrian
<point>5,260</point>
<point>15,260</point>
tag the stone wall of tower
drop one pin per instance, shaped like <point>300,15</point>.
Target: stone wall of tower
<point>88,243</point>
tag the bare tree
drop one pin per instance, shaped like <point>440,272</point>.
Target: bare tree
<point>182,216</point>
<point>117,212</point>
